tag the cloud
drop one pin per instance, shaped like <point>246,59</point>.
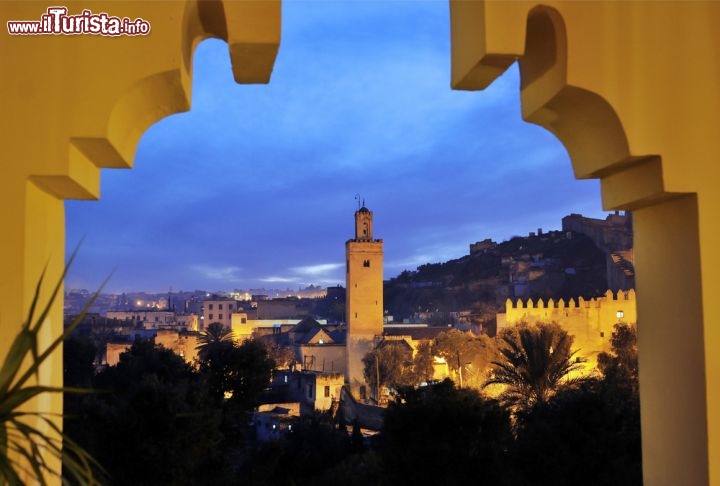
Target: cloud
<point>278,279</point>
<point>317,270</point>
<point>228,274</point>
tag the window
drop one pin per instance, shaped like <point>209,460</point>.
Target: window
<point>230,307</point>
<point>602,334</point>
<point>327,392</point>
<point>220,316</point>
<point>243,320</point>
<point>210,317</point>
<point>620,314</point>
<point>366,263</point>
<point>210,306</point>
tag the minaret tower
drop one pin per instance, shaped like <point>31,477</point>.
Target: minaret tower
<point>364,302</point>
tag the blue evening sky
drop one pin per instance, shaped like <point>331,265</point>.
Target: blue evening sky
<point>255,186</point>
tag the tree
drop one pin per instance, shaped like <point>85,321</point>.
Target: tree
<point>389,364</point>
<point>621,365</point>
<point>589,434</point>
<point>78,362</point>
<point>236,373</point>
<point>534,363</point>
<point>461,349</point>
<point>440,434</point>
<point>283,356</point>
<point>152,422</point>
<point>312,446</point>
<point>423,363</point>
<point>215,334</point>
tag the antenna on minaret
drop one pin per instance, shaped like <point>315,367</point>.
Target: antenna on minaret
<point>357,196</point>
<point>363,202</point>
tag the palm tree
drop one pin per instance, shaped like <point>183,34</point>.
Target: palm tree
<point>215,335</point>
<point>534,364</point>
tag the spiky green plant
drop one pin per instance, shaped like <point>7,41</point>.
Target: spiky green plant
<point>31,442</point>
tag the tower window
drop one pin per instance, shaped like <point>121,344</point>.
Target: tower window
<point>366,263</point>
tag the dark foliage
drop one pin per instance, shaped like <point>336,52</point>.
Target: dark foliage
<point>444,435</point>
<point>314,445</point>
<point>78,356</point>
<point>156,420</point>
<point>237,372</point>
<point>151,421</point>
<point>621,366</point>
<point>159,421</point>
<point>589,435</point>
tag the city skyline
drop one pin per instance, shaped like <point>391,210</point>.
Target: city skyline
<point>255,186</point>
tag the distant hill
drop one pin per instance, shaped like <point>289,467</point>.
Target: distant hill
<point>550,265</point>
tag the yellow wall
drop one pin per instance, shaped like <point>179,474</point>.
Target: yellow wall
<point>630,88</point>
<point>590,322</point>
<point>182,345</point>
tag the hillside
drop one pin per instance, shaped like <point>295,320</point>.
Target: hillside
<point>548,265</point>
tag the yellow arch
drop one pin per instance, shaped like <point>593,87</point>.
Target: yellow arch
<point>630,88</point>
<point>73,105</point>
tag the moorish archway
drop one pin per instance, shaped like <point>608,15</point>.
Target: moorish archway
<point>630,89</point>
<point>75,104</point>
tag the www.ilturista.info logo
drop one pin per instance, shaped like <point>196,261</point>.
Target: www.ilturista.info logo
<point>57,22</point>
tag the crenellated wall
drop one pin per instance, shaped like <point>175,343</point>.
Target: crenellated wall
<point>590,322</point>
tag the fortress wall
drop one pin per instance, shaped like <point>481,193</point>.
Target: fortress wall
<point>590,322</point>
